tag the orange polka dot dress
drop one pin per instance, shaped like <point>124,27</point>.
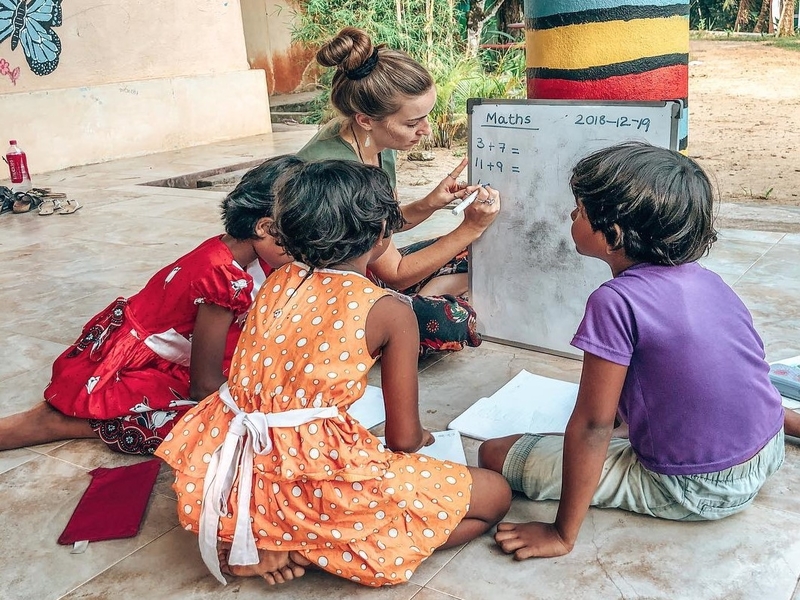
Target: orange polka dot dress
<point>319,482</point>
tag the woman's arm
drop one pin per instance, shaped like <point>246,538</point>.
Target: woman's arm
<point>392,330</point>
<point>401,272</point>
<point>208,350</point>
<point>443,194</point>
<point>585,446</point>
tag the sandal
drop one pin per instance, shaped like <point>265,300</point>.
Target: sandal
<point>6,200</point>
<point>69,207</point>
<point>48,207</point>
<point>24,202</point>
<point>45,193</point>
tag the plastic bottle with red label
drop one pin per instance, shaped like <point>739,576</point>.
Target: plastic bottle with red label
<point>18,166</point>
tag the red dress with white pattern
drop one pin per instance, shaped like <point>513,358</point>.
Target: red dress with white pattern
<point>128,372</point>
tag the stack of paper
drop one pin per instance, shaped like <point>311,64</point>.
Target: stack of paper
<point>446,446</point>
<point>369,410</point>
<point>527,404</point>
<point>790,392</point>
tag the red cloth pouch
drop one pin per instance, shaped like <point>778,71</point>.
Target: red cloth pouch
<point>113,505</point>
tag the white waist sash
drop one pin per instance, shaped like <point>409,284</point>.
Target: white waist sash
<point>248,435</point>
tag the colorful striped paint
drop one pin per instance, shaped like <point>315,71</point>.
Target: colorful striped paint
<point>595,44</point>
<point>543,8</point>
<point>599,15</point>
<point>608,50</point>
<point>667,82</point>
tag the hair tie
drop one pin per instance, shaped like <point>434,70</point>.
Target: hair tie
<point>365,68</point>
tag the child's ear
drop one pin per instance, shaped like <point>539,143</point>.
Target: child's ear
<point>263,226</point>
<point>619,238</point>
<point>382,239</point>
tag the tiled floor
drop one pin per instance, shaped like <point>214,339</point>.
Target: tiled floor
<point>59,270</point>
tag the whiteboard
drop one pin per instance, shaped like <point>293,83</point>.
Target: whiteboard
<point>528,284</point>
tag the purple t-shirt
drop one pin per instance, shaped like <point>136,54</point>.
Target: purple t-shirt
<point>697,397</point>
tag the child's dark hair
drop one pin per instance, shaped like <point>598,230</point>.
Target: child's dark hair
<point>254,197</point>
<point>331,211</point>
<point>661,201</point>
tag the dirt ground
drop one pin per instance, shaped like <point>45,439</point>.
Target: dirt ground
<point>744,123</point>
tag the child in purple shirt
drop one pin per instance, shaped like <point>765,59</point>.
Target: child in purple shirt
<point>669,349</point>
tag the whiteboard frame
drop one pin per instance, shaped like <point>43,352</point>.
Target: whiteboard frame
<point>677,111</point>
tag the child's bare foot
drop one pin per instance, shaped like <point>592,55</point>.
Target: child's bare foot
<point>273,566</point>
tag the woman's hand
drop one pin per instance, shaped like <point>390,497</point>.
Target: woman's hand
<point>483,211</point>
<point>449,188</point>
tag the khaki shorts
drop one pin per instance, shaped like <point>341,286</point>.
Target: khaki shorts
<point>533,466</point>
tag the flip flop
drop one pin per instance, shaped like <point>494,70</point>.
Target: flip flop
<point>69,207</point>
<point>45,193</point>
<point>48,207</point>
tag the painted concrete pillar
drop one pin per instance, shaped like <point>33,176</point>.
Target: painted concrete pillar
<point>609,50</point>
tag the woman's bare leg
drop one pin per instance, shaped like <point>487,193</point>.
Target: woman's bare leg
<point>40,425</point>
<point>490,501</point>
<point>456,284</point>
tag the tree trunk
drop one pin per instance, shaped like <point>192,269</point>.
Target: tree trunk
<point>477,16</point>
<point>429,31</point>
<point>743,15</point>
<point>762,23</point>
<point>510,13</point>
<point>786,24</point>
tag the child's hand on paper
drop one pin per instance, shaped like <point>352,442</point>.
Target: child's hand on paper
<point>427,438</point>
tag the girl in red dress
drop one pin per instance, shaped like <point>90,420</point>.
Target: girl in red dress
<point>271,472</point>
<point>143,361</point>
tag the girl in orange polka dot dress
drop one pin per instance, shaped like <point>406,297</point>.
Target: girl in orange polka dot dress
<point>272,473</point>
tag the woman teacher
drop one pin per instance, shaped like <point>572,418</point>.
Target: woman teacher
<point>384,98</point>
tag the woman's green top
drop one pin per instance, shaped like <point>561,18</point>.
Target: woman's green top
<point>327,143</point>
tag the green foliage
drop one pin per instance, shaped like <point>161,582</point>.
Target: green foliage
<point>787,43</point>
<point>708,15</point>
<point>431,31</point>
<point>469,79</point>
<point>416,26</point>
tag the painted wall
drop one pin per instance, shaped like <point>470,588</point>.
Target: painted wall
<point>609,50</point>
<point>268,37</point>
<point>124,78</point>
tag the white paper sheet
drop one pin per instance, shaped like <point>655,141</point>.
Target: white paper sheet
<point>447,446</point>
<point>527,404</point>
<point>789,403</point>
<point>369,410</point>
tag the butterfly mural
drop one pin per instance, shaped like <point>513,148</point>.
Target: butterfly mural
<point>30,25</point>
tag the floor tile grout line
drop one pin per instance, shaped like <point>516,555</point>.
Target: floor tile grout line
<point>763,254</point>
<point>116,562</point>
<point>449,560</point>
<point>420,590</point>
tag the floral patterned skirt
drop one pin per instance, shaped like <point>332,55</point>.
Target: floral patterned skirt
<point>446,323</point>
